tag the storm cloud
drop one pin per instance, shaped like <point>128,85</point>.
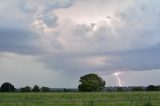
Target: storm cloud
<point>18,38</point>
<point>74,37</point>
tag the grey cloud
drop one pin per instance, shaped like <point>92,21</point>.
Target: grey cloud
<point>130,43</point>
<point>44,9</point>
<point>69,63</point>
<point>26,7</point>
<point>138,60</point>
<point>100,62</point>
<point>50,19</point>
<point>17,37</point>
<point>56,4</point>
<point>141,25</point>
<point>134,46</point>
<point>16,33</point>
<point>80,46</point>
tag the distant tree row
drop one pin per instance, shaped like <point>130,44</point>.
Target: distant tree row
<point>34,89</point>
<point>8,87</point>
<point>153,88</point>
<point>132,88</point>
<point>148,88</point>
<point>88,83</point>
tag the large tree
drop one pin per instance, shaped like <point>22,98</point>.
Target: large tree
<point>7,87</point>
<point>91,82</point>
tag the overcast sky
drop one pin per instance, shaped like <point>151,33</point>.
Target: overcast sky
<point>54,42</point>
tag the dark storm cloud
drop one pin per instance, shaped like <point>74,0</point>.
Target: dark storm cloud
<point>76,63</point>
<point>17,37</point>
<point>133,47</point>
<point>57,4</point>
<point>71,64</point>
<point>105,47</point>
<point>139,60</point>
<point>16,31</point>
<point>64,39</point>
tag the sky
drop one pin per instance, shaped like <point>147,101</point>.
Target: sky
<point>54,42</point>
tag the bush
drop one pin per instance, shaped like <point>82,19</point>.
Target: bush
<point>148,104</point>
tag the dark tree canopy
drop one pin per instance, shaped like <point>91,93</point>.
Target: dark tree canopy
<point>138,89</point>
<point>120,89</point>
<point>91,82</point>
<point>25,89</point>
<point>45,89</point>
<point>36,88</point>
<point>7,87</point>
<point>152,88</point>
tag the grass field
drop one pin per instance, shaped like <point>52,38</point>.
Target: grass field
<point>81,99</point>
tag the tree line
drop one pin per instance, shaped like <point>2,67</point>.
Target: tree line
<point>8,87</point>
<point>88,83</point>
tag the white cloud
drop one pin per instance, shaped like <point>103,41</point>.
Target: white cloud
<point>128,44</point>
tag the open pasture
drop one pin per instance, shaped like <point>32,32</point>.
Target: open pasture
<point>81,99</point>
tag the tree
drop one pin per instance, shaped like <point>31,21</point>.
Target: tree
<point>36,88</point>
<point>7,87</point>
<point>148,104</point>
<point>159,88</point>
<point>137,89</point>
<point>91,82</point>
<point>25,89</point>
<point>45,89</point>
<point>120,89</point>
<point>152,88</point>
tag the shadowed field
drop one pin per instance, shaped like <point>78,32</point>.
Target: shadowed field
<point>81,99</point>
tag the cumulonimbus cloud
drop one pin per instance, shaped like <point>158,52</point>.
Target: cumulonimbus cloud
<point>127,40</point>
<point>132,46</point>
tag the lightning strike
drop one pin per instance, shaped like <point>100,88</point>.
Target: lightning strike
<point>118,79</point>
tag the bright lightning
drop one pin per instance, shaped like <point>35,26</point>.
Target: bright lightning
<point>117,76</point>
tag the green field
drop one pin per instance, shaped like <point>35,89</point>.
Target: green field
<point>81,99</point>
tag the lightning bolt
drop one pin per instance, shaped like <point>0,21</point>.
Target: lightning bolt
<point>118,79</point>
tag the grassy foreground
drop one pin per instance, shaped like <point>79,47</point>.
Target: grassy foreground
<point>81,99</point>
